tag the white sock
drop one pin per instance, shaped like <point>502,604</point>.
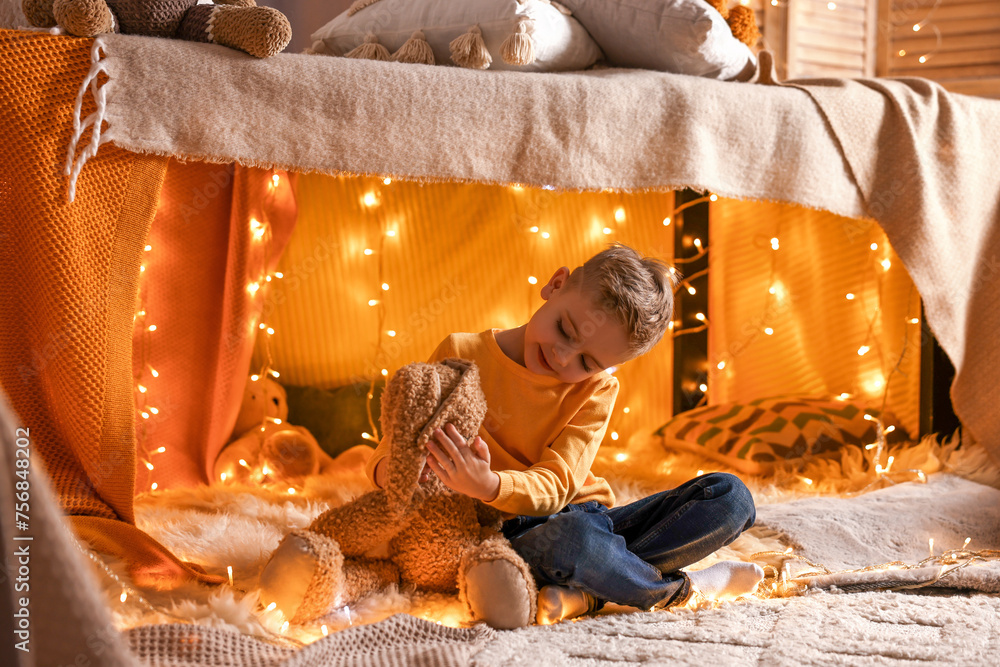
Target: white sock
<point>727,580</point>
<point>558,603</point>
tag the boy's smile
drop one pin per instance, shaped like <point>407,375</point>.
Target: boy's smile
<point>569,337</point>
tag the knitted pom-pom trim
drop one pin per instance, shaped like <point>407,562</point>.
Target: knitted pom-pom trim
<point>469,50</point>
<point>415,50</point>
<point>518,49</point>
<point>369,50</point>
<point>358,6</point>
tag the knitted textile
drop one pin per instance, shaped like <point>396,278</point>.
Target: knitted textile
<point>66,328</point>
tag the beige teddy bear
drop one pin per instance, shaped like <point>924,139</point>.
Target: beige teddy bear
<point>239,24</point>
<point>438,540</point>
<point>265,447</point>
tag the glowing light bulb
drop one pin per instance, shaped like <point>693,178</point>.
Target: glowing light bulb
<point>279,275</point>
<point>614,435</point>
<point>265,470</point>
<point>152,327</point>
<point>142,390</point>
<point>152,371</point>
<point>666,222</point>
<point>620,214</point>
<point>772,290</point>
<point>390,333</point>
<point>545,235</point>
<point>262,326</point>
<point>124,596</point>
<point>391,232</point>
<point>868,417</point>
<point>774,3</point>
<point>890,429</point>
<point>155,411</point>
<point>274,373</point>
<point>326,631</point>
<point>807,480</point>
<point>149,466</point>
<point>243,462</point>
<point>385,371</point>
<point>713,197</point>
<point>703,387</point>
<point>700,317</point>
<point>886,264</point>
<point>914,320</point>
<point>849,296</point>
<point>142,267</point>
<point>366,435</point>
<point>874,246</point>
<point>533,229</point>
<point>291,491</point>
<point>621,457</point>
<point>902,52</point>
<point>922,59</point>
<point>270,331</point>
<point>253,287</point>
<point>517,187</point>
<point>697,243</point>
<point>387,181</point>
<point>721,365</point>
<point>254,377</point>
<point>831,6</point>
<point>152,487</point>
<point>769,331</point>
<point>370,199</point>
<point>692,290</point>
<point>532,279</point>
<point>372,302</point>
<point>607,230</point>
<point>229,568</point>
<point>844,396</point>
<point>625,410</point>
<point>916,27</point>
<point>271,606</point>
<point>368,251</point>
<point>385,287</point>
<point>863,350</point>
<point>145,415</point>
<point>222,477</point>
<point>148,248</point>
<point>774,243</point>
<point>161,450</point>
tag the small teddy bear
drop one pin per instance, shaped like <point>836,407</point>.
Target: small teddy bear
<point>741,19</point>
<point>265,446</point>
<point>239,24</point>
<point>438,540</point>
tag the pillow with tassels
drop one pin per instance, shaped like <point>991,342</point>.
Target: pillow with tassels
<point>526,35</point>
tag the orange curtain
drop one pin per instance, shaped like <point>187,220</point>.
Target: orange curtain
<point>219,232</point>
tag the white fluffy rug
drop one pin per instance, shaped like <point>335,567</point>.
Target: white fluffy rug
<point>810,510</point>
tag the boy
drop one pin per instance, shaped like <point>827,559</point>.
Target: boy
<point>550,400</point>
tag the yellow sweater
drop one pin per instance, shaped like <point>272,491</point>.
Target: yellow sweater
<point>543,434</point>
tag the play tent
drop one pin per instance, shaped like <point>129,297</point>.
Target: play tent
<point>145,128</point>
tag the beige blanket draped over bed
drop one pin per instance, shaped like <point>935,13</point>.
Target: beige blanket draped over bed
<point>922,162</point>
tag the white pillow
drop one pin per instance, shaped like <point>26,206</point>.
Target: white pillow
<point>681,36</point>
<point>557,41</point>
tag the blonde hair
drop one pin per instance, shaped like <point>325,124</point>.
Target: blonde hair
<point>637,291</point>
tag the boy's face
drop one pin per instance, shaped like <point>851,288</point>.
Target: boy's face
<point>569,337</point>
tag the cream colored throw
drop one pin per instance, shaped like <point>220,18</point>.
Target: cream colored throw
<point>922,162</point>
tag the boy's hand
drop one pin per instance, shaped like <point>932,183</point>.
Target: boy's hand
<point>462,467</point>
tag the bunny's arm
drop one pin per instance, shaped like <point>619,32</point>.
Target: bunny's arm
<point>360,525</point>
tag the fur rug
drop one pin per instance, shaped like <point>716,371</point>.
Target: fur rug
<point>222,526</point>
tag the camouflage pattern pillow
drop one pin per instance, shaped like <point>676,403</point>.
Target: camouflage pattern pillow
<point>753,437</point>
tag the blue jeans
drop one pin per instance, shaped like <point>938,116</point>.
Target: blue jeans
<point>632,554</point>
